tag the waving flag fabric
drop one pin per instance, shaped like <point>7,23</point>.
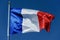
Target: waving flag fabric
<point>28,20</point>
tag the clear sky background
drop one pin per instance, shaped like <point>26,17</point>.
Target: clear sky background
<point>50,6</point>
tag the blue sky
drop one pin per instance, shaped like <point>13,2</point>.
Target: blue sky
<point>50,6</point>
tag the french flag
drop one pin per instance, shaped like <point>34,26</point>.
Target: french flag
<point>29,20</point>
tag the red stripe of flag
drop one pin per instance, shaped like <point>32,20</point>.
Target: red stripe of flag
<point>44,20</point>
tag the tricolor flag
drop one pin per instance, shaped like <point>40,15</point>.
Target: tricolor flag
<point>28,20</point>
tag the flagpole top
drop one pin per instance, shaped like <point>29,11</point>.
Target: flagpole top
<point>8,2</point>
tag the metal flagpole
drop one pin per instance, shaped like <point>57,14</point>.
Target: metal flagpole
<point>8,20</point>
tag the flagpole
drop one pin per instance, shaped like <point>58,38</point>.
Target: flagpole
<point>8,20</point>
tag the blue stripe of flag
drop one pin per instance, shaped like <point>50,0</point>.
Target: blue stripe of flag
<point>16,20</point>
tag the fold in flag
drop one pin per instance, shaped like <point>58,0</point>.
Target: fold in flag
<point>28,20</point>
